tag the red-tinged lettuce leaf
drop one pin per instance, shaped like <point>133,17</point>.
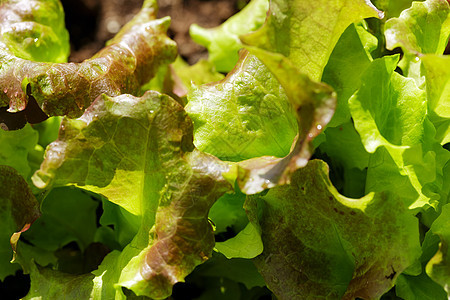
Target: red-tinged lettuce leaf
<point>130,60</point>
<point>18,210</point>
<point>438,268</point>
<point>295,44</point>
<point>139,153</point>
<point>182,236</point>
<point>314,104</point>
<point>306,32</point>
<point>320,244</point>
<point>117,147</point>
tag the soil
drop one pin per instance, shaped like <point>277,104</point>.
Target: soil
<point>92,22</point>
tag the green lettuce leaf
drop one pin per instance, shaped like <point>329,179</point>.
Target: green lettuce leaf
<point>228,211</point>
<point>295,44</point>
<point>307,32</point>
<point>68,215</point>
<point>416,284</point>
<point>237,269</point>
<point>314,104</point>
<point>437,76</point>
<point>419,287</point>
<point>422,29</point>
<point>48,283</point>
<point>223,42</point>
<point>438,268</point>
<point>320,244</point>
<point>16,147</point>
<point>106,276</point>
<point>118,226</point>
<point>246,244</point>
<point>167,182</point>
<point>18,210</point>
<point>48,130</point>
<point>130,60</point>
<point>389,111</point>
<point>250,106</point>
<point>348,157</point>
<point>229,217</point>
<point>392,8</point>
<point>34,30</point>
<point>200,73</point>
<point>347,62</point>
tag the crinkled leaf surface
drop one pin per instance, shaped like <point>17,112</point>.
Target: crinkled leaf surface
<point>130,60</point>
<point>295,44</point>
<point>34,30</point>
<point>314,105</point>
<point>307,32</point>
<point>438,268</point>
<point>250,106</point>
<point>182,236</point>
<point>223,42</point>
<point>142,148</point>
<point>385,116</point>
<point>320,244</point>
<point>422,29</point>
<point>400,127</point>
<point>18,209</point>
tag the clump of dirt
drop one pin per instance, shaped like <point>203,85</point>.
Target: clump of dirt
<point>92,22</point>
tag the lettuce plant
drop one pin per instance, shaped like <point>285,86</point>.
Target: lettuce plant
<point>317,168</point>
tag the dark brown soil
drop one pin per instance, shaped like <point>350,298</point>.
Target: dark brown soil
<point>92,22</point>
